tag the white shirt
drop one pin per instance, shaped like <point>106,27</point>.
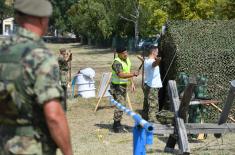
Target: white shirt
<point>152,74</point>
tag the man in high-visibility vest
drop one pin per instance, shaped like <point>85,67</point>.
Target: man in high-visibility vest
<point>121,76</point>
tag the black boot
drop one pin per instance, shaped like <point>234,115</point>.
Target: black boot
<point>117,126</point>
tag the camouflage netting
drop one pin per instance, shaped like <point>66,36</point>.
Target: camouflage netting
<point>201,48</point>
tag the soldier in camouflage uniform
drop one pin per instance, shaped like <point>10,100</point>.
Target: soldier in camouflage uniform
<point>152,84</point>
<point>120,76</point>
<point>63,60</point>
<point>32,120</point>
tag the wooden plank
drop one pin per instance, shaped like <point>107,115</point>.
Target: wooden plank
<point>129,101</point>
<point>209,128</point>
<point>188,92</point>
<point>106,87</point>
<point>179,122</point>
<point>163,129</point>
<point>206,102</point>
<point>196,128</point>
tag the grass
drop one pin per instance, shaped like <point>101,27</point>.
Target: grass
<point>92,132</point>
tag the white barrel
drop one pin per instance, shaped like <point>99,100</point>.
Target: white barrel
<point>86,86</point>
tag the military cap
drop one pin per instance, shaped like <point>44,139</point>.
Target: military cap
<point>120,49</point>
<point>152,47</point>
<point>38,8</point>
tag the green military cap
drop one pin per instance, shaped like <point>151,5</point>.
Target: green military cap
<point>120,49</point>
<point>39,8</point>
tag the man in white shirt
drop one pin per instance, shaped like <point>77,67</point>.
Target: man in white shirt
<point>152,84</point>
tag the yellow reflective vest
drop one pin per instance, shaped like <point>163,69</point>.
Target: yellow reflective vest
<point>126,69</point>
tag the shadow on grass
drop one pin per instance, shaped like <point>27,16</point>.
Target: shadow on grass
<point>155,151</point>
<point>125,128</point>
<point>105,107</point>
<point>162,138</point>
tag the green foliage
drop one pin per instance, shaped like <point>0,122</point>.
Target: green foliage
<point>201,9</point>
<point>103,19</point>
<point>154,15</point>
<point>5,10</point>
<point>59,19</point>
<point>89,19</point>
<point>201,48</point>
<point>225,9</point>
<point>196,9</point>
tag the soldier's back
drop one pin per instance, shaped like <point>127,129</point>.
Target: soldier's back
<point>29,77</point>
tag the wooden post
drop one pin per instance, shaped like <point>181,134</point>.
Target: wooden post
<point>228,104</point>
<point>227,107</point>
<point>188,92</point>
<point>183,109</point>
<point>70,66</point>
<point>179,122</point>
<point>129,101</point>
<point>106,87</point>
<point>142,82</point>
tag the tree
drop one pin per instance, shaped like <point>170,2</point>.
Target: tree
<point>154,15</point>
<point>103,19</point>
<point>5,12</point>
<point>225,9</point>
<point>59,19</point>
<point>89,19</point>
<point>132,14</point>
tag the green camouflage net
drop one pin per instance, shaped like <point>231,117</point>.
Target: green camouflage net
<point>205,48</point>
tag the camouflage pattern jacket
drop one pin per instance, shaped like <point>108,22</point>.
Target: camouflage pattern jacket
<point>29,77</point>
<point>64,67</point>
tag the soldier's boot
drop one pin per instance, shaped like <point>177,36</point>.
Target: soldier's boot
<point>117,127</point>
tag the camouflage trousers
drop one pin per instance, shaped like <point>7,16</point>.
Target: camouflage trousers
<point>64,82</point>
<point>64,78</point>
<point>119,94</point>
<point>150,106</point>
<point>12,144</point>
<point>64,102</point>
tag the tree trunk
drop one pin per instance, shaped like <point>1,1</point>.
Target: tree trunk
<point>137,25</point>
<point>136,34</point>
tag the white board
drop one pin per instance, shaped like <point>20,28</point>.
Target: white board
<point>103,83</point>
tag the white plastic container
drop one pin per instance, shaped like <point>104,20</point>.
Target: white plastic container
<point>86,86</point>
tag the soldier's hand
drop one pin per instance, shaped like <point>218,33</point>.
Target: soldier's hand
<point>69,56</point>
<point>158,59</point>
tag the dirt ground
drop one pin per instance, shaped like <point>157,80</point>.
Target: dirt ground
<point>91,131</point>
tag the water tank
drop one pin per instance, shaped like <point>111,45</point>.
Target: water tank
<point>86,86</point>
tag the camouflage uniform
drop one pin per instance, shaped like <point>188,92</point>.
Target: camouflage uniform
<point>29,77</point>
<point>118,91</point>
<point>150,106</point>
<point>64,68</point>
